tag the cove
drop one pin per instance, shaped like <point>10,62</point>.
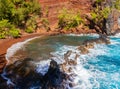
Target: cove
<point>99,69</point>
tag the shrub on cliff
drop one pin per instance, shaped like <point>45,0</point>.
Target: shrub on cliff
<point>19,13</point>
<point>99,16</point>
<point>69,19</point>
<point>117,4</point>
<point>7,29</point>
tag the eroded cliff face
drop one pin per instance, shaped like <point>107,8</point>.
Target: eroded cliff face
<point>113,22</point>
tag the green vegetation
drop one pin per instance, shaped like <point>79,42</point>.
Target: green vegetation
<point>100,13</point>
<point>14,32</point>
<point>45,23</point>
<point>7,29</point>
<point>99,16</point>
<point>99,1</point>
<point>117,5</point>
<point>16,15</point>
<point>29,30</point>
<point>69,19</point>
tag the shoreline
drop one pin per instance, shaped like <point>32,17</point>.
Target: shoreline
<point>85,47</point>
<point>6,43</point>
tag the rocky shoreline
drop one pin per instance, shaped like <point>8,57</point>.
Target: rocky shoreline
<point>61,74</point>
<point>6,43</point>
<point>61,69</point>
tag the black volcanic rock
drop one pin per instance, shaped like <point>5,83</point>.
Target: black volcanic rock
<point>23,76</point>
<point>53,79</point>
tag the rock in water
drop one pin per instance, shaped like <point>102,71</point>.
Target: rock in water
<point>53,79</point>
<point>23,76</point>
<point>83,49</point>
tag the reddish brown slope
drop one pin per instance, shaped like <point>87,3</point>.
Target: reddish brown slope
<point>54,6</point>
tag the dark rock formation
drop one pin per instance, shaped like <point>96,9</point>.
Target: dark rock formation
<point>23,76</point>
<point>67,54</point>
<point>53,79</point>
<point>70,61</point>
<point>3,84</point>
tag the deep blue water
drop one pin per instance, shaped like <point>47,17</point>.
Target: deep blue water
<point>104,65</point>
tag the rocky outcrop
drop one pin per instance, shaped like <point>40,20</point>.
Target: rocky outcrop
<point>69,61</point>
<point>88,44</point>
<point>54,78</point>
<point>113,22</point>
<point>83,49</point>
<point>23,76</point>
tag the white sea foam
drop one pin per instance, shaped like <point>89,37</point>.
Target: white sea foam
<point>59,55</point>
<point>42,66</point>
<point>92,35</point>
<point>99,49</point>
<point>84,76</point>
<point>117,35</point>
<point>11,51</point>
